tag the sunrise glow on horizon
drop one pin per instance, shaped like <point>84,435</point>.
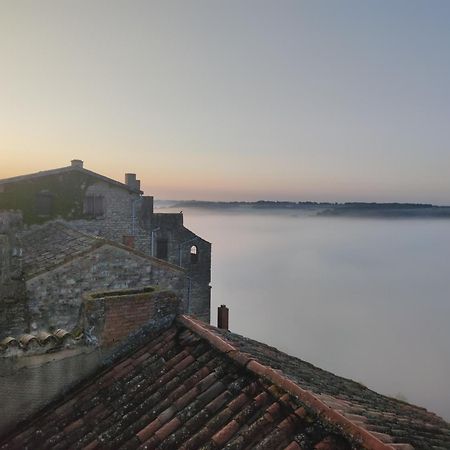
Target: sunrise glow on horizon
<point>311,100</point>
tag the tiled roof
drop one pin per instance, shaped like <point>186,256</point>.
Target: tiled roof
<point>55,243</point>
<point>196,387</point>
<point>41,342</point>
<point>67,169</point>
<point>51,245</point>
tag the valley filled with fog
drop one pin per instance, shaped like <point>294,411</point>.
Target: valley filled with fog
<point>367,299</point>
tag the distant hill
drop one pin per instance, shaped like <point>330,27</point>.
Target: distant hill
<point>348,209</point>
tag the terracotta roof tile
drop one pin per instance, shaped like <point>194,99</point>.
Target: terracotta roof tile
<point>380,421</point>
<point>193,387</point>
<point>41,342</point>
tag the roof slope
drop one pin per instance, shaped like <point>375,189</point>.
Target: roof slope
<point>55,243</point>
<point>178,391</point>
<point>390,419</point>
<point>67,169</point>
<point>191,387</point>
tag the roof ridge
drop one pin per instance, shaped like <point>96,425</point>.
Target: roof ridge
<point>367,439</point>
<point>43,173</point>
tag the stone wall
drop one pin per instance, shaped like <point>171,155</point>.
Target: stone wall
<point>27,384</point>
<point>180,240</point>
<point>55,297</point>
<point>126,211</point>
<point>126,214</point>
<point>114,323</point>
<point>128,218</point>
<point>13,306</point>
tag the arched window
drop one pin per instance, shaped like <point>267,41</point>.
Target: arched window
<point>194,254</point>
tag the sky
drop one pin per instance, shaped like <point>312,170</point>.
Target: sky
<point>232,99</point>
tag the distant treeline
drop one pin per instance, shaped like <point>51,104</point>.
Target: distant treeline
<point>258,204</point>
<point>350,209</point>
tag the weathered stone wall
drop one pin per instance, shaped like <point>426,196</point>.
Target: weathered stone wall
<point>55,297</point>
<point>13,307</point>
<point>198,270</point>
<point>66,190</point>
<point>27,384</point>
<point>113,323</point>
<point>126,214</point>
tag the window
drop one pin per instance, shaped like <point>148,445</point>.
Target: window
<point>162,249</point>
<point>44,203</point>
<point>194,254</point>
<point>94,205</point>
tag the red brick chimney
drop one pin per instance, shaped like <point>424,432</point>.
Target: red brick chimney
<point>222,317</point>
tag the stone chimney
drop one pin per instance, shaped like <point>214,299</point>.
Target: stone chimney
<point>130,180</point>
<point>222,317</point>
<point>77,163</point>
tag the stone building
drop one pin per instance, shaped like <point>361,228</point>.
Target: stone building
<point>97,205</point>
<point>61,265</point>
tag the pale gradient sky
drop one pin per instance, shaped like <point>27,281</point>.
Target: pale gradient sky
<point>232,99</point>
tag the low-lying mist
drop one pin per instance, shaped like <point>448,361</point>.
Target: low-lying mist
<point>365,299</point>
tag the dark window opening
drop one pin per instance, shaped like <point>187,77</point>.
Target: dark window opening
<point>162,249</point>
<point>94,205</point>
<point>44,203</point>
<point>194,254</point>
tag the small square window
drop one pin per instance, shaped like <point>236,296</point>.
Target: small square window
<point>94,205</point>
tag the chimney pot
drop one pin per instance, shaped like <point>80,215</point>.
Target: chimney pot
<point>222,317</point>
<point>76,163</point>
<point>130,179</point>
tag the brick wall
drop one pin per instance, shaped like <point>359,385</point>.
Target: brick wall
<point>114,317</point>
<point>124,315</point>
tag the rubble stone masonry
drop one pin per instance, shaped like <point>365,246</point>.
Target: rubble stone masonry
<point>14,316</point>
<point>55,296</point>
